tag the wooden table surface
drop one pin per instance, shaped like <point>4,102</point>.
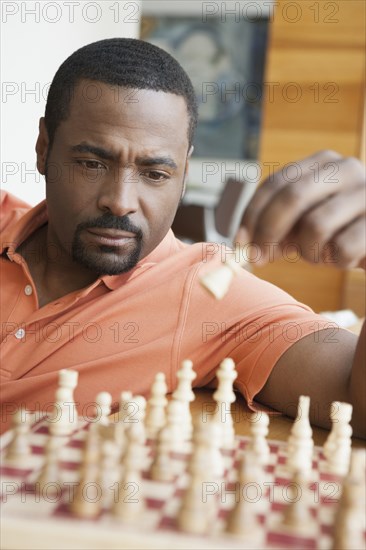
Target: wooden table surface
<point>279,425</point>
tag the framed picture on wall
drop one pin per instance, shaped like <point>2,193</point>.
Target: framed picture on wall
<point>222,46</point>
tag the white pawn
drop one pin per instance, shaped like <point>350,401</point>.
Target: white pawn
<point>124,400</point>
<point>297,517</point>
<point>300,443</point>
<point>349,524</point>
<point>120,426</point>
<point>173,426</point>
<point>170,439</point>
<point>337,448</point>
<point>80,505</point>
<point>252,471</point>
<point>130,499</point>
<point>196,516</point>
<point>155,418</point>
<point>243,517</point>
<point>162,468</point>
<point>64,418</point>
<point>206,459</point>
<point>184,393</point>
<point>259,430</point>
<point>110,468</point>
<point>137,430</point>
<point>103,408</point>
<point>18,451</point>
<point>328,446</point>
<point>224,396</point>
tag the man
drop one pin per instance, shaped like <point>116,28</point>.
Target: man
<point>94,280</point>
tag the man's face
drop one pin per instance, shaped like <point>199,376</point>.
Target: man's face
<point>114,174</point>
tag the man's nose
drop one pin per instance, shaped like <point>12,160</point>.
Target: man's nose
<point>119,194</point>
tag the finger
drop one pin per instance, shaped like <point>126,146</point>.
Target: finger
<point>281,203</point>
<point>302,171</point>
<point>288,206</point>
<point>350,244</point>
<point>292,202</point>
<point>320,225</point>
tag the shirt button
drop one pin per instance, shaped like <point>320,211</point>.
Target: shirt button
<point>28,290</point>
<point>20,333</point>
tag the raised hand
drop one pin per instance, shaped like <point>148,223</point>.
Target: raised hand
<point>318,205</point>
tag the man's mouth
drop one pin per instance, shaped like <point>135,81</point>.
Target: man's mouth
<point>110,237</point>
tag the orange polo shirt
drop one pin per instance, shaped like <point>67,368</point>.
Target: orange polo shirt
<point>121,330</point>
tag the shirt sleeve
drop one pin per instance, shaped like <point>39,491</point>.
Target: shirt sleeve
<point>254,324</point>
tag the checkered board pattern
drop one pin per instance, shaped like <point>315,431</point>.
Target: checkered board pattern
<point>33,520</point>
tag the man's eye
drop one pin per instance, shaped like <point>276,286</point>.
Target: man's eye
<point>156,176</point>
<point>91,164</point>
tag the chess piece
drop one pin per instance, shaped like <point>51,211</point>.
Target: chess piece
<point>349,523</point>
<point>300,443</point>
<point>185,395</point>
<point>87,499</point>
<point>196,516</point>
<point>119,425</point>
<point>224,396</point>
<point>129,503</point>
<point>259,430</point>
<point>243,518</point>
<point>124,401</point>
<point>170,440</point>
<point>103,408</point>
<point>297,517</point>
<point>206,458</point>
<point>162,466</point>
<point>173,426</point>
<point>63,420</point>
<point>17,453</point>
<point>155,417</point>
<point>109,468</point>
<point>137,430</point>
<point>337,448</point>
<point>218,280</point>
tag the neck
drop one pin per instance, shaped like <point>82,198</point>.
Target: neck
<point>53,270</point>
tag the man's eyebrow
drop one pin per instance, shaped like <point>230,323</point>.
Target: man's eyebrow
<point>155,161</point>
<point>109,155</point>
<point>98,151</point>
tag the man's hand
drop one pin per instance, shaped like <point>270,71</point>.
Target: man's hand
<point>318,205</point>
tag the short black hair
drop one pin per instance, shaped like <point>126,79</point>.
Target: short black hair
<point>124,62</point>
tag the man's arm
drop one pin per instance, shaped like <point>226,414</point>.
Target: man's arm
<point>328,365</point>
<point>325,204</point>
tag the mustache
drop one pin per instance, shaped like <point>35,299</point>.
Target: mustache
<point>108,221</point>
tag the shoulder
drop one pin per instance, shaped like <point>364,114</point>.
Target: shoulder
<point>12,208</point>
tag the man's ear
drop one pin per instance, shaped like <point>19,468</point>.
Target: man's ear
<point>42,147</point>
<point>186,170</point>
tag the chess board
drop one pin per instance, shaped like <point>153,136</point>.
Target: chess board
<point>33,520</point>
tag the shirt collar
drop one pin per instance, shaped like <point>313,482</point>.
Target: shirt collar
<point>18,232</point>
<point>37,216</point>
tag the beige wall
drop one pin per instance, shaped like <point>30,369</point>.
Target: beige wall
<point>36,38</point>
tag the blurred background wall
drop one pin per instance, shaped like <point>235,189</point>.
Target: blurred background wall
<point>36,38</point>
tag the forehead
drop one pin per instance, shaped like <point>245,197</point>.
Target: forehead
<point>144,115</point>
